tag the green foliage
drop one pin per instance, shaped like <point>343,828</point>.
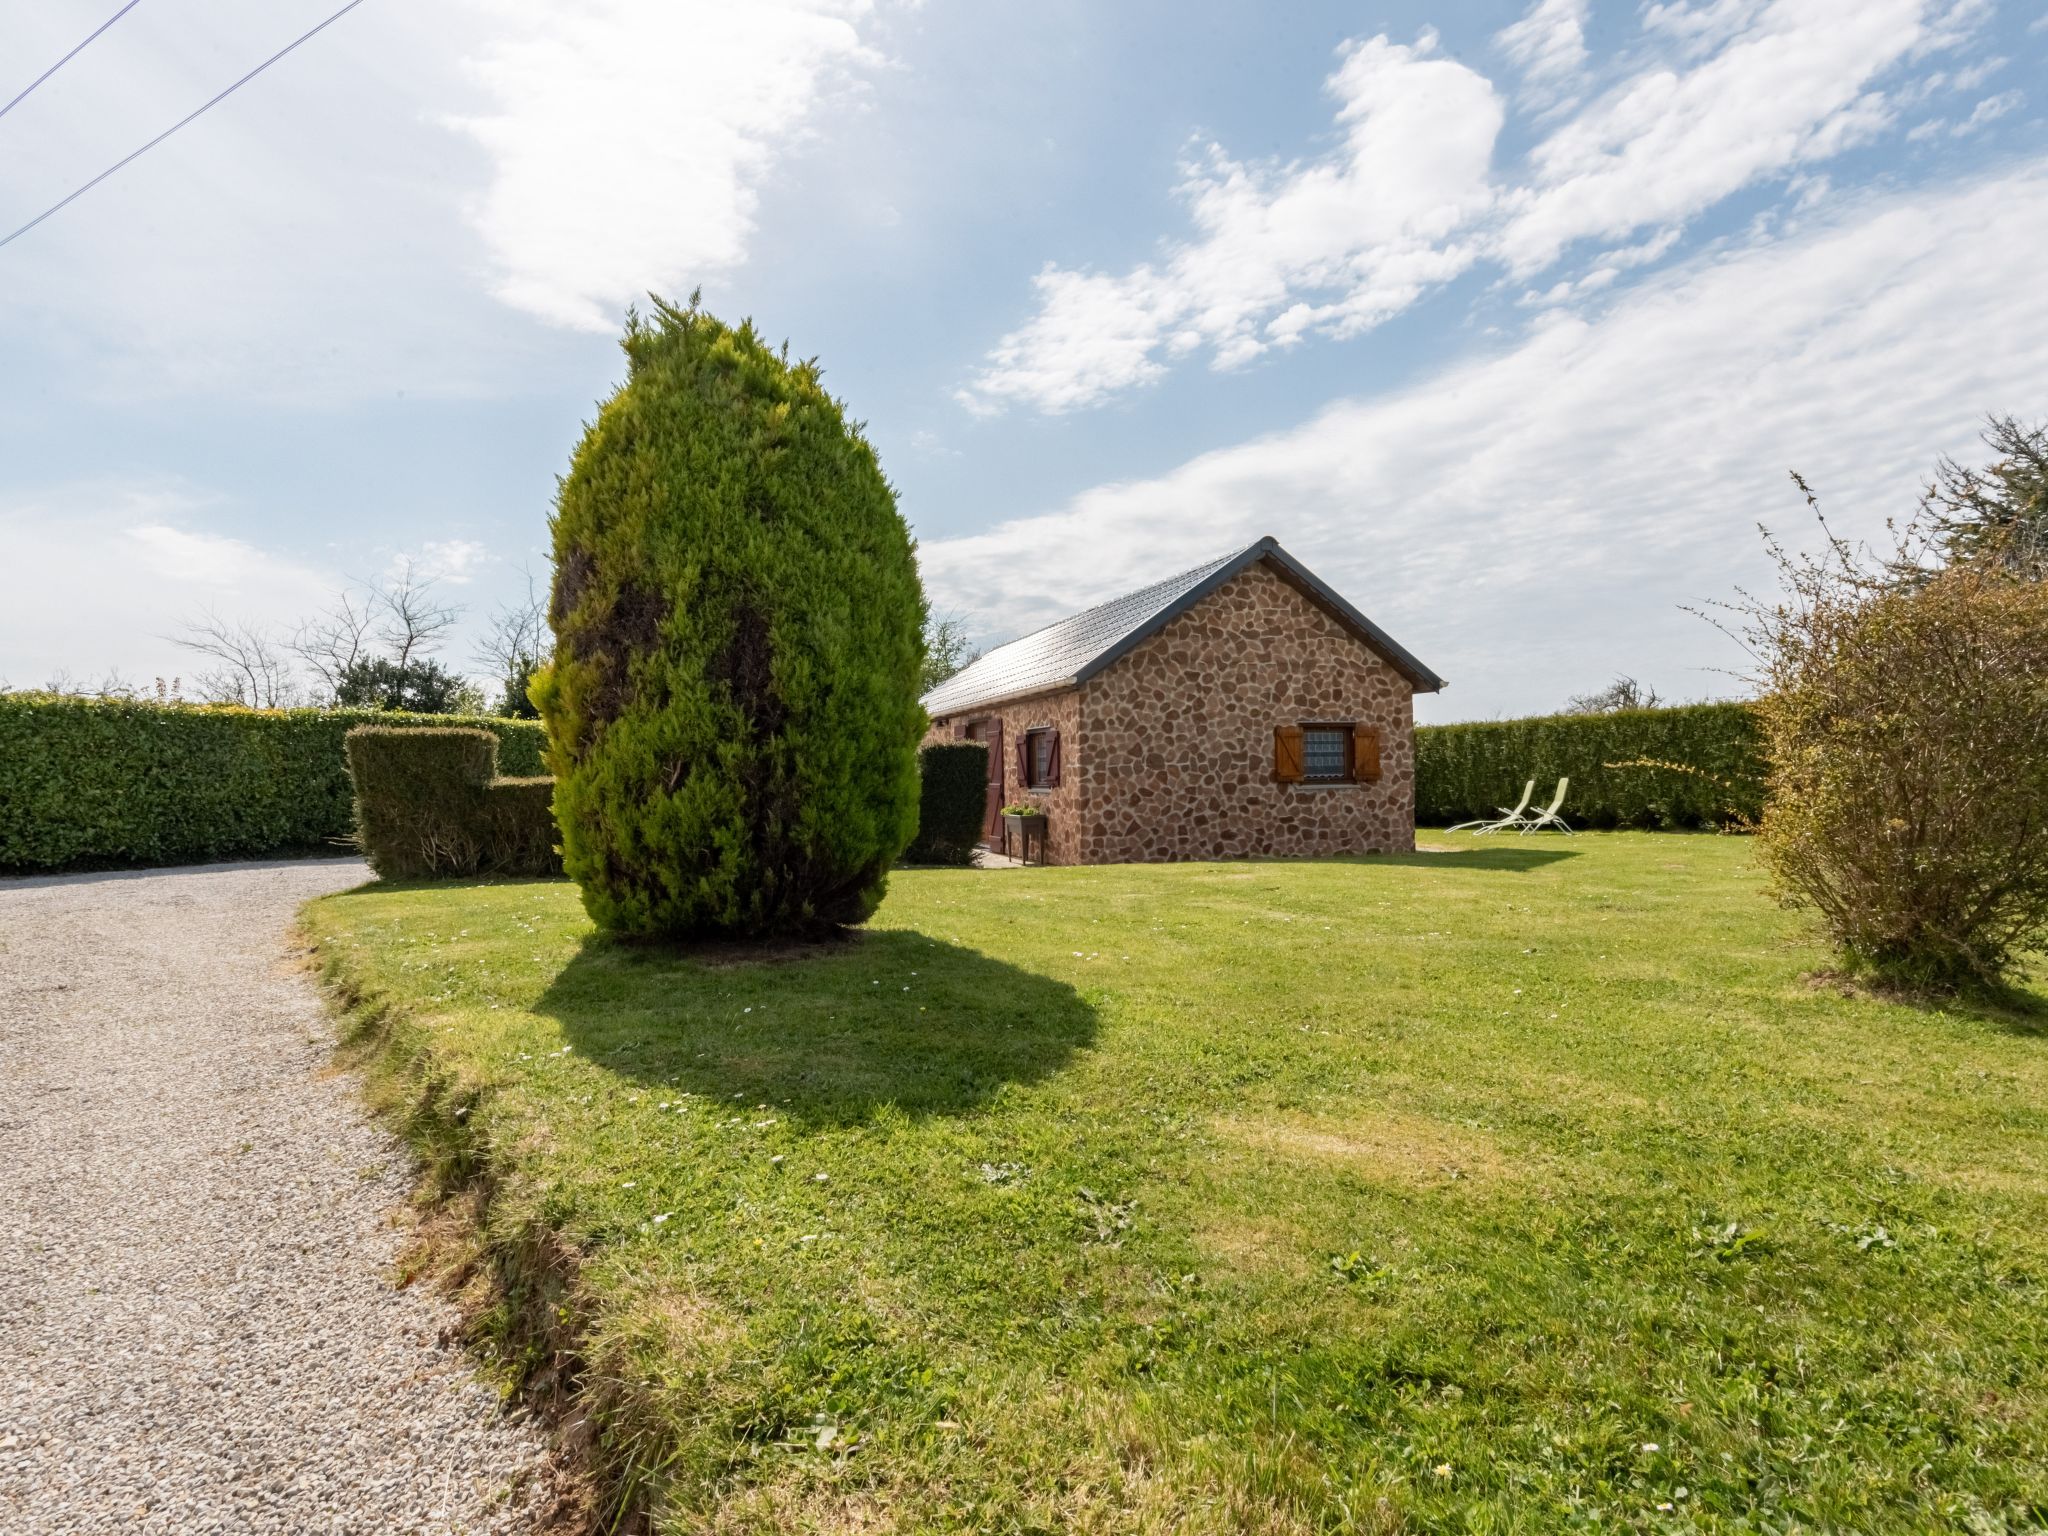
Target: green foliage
<point>732,706</point>
<point>1628,768</point>
<point>1907,731</point>
<point>953,805</point>
<point>430,803</point>
<point>93,783</point>
<point>516,703</point>
<point>1284,1184</point>
<point>947,648</point>
<point>1992,518</point>
<point>418,687</point>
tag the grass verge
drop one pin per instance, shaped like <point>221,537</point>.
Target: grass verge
<point>1517,1187</point>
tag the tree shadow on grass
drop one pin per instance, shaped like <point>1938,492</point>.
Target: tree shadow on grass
<point>827,1033</point>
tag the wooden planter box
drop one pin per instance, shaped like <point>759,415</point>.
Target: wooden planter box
<point>1027,830</point>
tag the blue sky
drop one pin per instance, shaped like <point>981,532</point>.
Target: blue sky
<point>1508,319</point>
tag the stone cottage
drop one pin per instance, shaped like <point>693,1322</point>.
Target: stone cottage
<point>1237,709</point>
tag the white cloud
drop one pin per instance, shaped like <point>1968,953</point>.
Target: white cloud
<point>98,575</point>
<point>629,138</point>
<point>455,561</point>
<point>199,562</point>
<point>1986,112</point>
<point>1331,246</point>
<point>303,240</point>
<point>1548,45</point>
<point>1529,522</point>
<point>101,574</point>
<point>1720,97</point>
<point>324,236</point>
<point>1793,86</point>
<point>1989,110</point>
<point>1700,26</point>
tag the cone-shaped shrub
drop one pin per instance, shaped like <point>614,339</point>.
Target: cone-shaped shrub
<point>732,709</point>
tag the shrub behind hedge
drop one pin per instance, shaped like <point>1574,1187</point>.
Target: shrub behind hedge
<point>430,802</point>
<point>952,802</point>
<point>1463,772</point>
<point>98,783</point>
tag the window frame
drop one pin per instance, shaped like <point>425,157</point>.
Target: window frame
<point>1343,730</point>
<point>1038,758</point>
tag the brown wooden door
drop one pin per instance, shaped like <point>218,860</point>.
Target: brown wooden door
<point>990,734</point>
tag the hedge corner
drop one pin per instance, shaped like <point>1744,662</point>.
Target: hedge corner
<point>429,802</point>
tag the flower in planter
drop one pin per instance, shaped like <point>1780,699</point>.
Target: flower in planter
<point>1022,810</point>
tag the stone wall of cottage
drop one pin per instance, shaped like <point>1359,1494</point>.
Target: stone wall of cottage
<point>1176,749</point>
<point>1063,805</point>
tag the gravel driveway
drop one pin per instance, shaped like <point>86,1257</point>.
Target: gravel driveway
<point>197,1329</point>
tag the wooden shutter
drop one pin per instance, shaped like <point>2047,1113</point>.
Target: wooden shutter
<point>992,734</point>
<point>1287,754</point>
<point>1024,761</point>
<point>1365,754</point>
<point>1052,760</point>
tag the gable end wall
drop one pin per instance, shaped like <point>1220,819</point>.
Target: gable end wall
<point>1176,738</point>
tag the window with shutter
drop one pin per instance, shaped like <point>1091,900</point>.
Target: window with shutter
<point>1326,752</point>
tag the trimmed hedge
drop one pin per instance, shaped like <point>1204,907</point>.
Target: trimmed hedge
<point>1463,772</point>
<point>99,783</point>
<point>430,802</point>
<point>952,802</point>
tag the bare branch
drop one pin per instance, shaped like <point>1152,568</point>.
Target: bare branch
<point>1623,693</point>
<point>413,622</point>
<point>518,638</point>
<point>337,637</point>
<point>251,667</point>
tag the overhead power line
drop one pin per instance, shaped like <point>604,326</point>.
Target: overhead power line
<point>199,112</point>
<point>74,53</point>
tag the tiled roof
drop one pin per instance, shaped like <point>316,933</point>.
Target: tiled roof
<point>1076,648</point>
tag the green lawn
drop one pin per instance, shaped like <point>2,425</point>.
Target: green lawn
<point>1528,1186</point>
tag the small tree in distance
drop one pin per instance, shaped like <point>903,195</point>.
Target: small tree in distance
<point>1623,693</point>
<point>517,644</point>
<point>946,650</point>
<point>1994,516</point>
<point>422,686</point>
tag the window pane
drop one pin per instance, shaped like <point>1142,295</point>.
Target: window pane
<point>1041,757</point>
<point>1323,754</point>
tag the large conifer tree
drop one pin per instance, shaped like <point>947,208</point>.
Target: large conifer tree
<point>732,706</point>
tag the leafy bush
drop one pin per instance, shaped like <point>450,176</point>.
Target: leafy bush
<point>429,802</point>
<point>93,783</point>
<point>1907,733</point>
<point>421,686</point>
<point>952,804</point>
<point>732,706</point>
<point>1620,765</point>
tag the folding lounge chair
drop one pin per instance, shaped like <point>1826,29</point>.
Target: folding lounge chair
<point>1550,816</point>
<point>1508,818</point>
